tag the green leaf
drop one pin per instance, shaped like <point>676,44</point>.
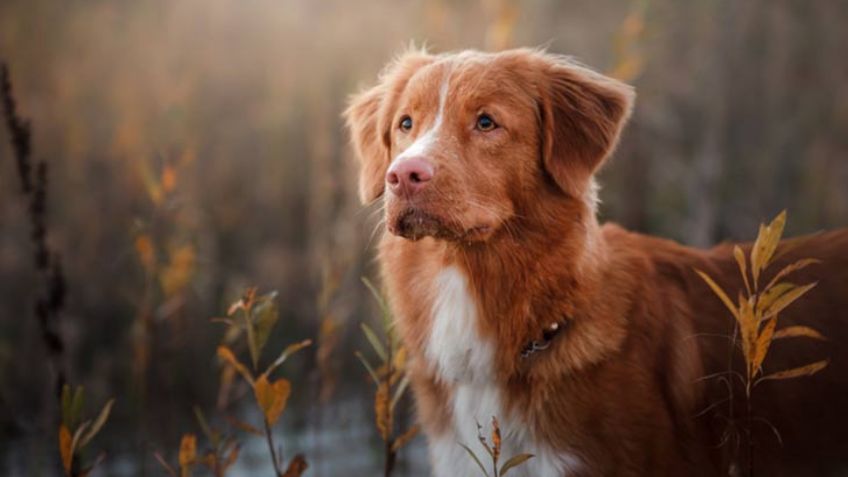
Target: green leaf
<point>515,461</point>
<point>719,292</point>
<point>265,317</point>
<point>290,350</point>
<point>368,367</point>
<point>384,307</point>
<point>399,391</point>
<point>479,464</point>
<point>66,405</point>
<point>213,437</point>
<point>251,340</point>
<point>75,413</point>
<point>77,435</point>
<point>375,342</point>
<point>98,424</point>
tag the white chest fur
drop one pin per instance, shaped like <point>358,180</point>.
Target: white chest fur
<point>464,361</point>
<point>455,347</point>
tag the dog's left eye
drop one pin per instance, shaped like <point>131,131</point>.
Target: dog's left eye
<point>485,123</point>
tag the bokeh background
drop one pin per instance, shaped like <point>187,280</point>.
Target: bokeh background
<point>195,148</point>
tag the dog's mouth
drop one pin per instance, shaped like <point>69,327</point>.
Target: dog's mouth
<point>415,224</point>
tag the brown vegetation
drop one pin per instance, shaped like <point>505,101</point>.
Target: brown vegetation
<point>194,148</point>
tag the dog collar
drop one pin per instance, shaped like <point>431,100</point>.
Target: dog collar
<point>548,335</point>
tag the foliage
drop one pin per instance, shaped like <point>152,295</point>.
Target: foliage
<point>252,317</point>
<point>756,312</point>
<point>494,451</point>
<point>627,45</point>
<point>75,433</point>
<point>390,380</point>
<point>256,316</point>
<point>222,453</point>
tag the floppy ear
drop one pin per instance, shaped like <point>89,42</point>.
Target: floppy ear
<point>370,146</point>
<point>582,114</point>
<point>368,119</point>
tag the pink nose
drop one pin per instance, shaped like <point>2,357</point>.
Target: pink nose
<point>407,177</point>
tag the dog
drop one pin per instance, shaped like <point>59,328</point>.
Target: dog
<point>600,350</point>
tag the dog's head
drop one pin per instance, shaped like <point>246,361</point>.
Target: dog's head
<point>459,143</point>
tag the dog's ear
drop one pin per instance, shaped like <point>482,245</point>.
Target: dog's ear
<point>369,117</point>
<point>581,114</point>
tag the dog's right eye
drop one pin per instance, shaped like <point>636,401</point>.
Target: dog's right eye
<point>406,123</point>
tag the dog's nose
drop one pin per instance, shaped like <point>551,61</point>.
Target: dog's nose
<point>407,177</point>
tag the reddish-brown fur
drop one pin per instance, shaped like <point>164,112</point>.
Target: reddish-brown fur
<point>513,209</point>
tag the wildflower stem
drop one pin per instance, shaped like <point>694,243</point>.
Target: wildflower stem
<point>269,437</point>
<point>390,453</point>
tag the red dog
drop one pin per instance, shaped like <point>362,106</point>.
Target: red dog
<point>592,345</point>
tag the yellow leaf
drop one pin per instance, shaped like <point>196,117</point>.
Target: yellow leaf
<point>766,244</point>
<point>807,370</point>
<point>798,332</point>
<point>288,351</point>
<point>177,274</point>
<point>98,424</point>
<point>227,355</point>
<point>748,326</point>
<point>404,438</point>
<point>146,253</point>
<point>763,343</point>
<point>188,450</point>
<point>792,268</point>
<point>271,397</point>
<point>767,297</point>
<point>786,299</point>
<point>151,185</point>
<point>629,68</point>
<point>719,292</point>
<point>739,255</point>
<point>382,413</point>
<point>245,426</point>
<point>65,442</point>
<point>399,360</point>
<point>169,179</point>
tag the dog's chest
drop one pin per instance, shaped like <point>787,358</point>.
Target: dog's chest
<point>455,347</point>
<point>464,360</point>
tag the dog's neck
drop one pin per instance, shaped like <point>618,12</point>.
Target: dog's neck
<point>542,268</point>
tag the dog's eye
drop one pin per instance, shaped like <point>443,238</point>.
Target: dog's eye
<point>405,123</point>
<point>485,123</point>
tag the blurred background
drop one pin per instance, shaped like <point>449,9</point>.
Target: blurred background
<point>195,148</point>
